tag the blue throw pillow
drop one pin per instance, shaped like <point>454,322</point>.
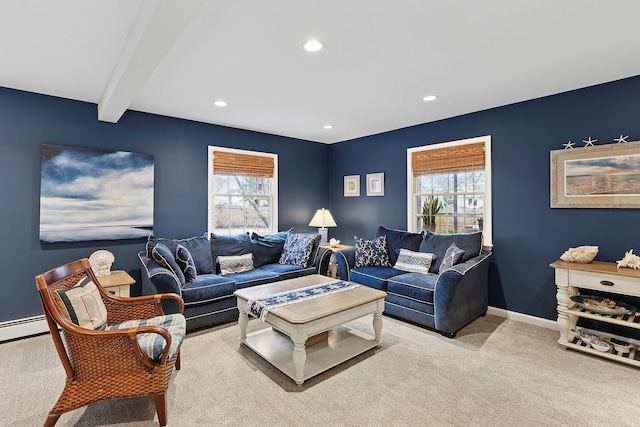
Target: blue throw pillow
<point>452,256</point>
<point>268,249</point>
<point>399,239</point>
<point>163,256</point>
<point>227,245</point>
<point>371,253</point>
<point>470,243</point>
<point>198,247</point>
<point>186,263</point>
<point>299,248</point>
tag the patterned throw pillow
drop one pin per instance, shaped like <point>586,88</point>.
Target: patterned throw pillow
<point>414,262</point>
<point>83,304</point>
<point>298,248</point>
<point>372,253</point>
<point>452,256</point>
<point>186,263</point>
<point>235,263</point>
<point>163,256</point>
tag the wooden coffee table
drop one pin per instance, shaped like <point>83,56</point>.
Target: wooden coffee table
<point>284,345</point>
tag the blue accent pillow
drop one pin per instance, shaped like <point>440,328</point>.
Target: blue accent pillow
<point>371,253</point>
<point>299,248</point>
<point>268,249</point>
<point>452,256</point>
<point>226,245</point>
<point>163,256</point>
<point>470,243</point>
<point>186,263</point>
<point>198,246</point>
<point>399,239</point>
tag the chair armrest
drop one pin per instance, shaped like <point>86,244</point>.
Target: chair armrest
<point>462,293</point>
<point>322,260</point>
<point>346,260</point>
<point>121,309</point>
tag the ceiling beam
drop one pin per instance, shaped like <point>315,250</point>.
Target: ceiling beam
<point>156,27</point>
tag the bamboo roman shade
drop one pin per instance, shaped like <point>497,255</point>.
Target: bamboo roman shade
<point>229,163</point>
<point>467,157</point>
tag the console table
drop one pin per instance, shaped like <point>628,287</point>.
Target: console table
<point>599,276</point>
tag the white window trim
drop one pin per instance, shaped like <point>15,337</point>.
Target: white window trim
<point>210,203</point>
<point>487,230</point>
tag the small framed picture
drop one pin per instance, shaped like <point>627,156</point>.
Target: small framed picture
<point>375,184</point>
<point>352,185</point>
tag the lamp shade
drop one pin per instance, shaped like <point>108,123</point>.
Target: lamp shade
<point>323,219</point>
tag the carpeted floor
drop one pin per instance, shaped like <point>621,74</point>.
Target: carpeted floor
<point>497,372</point>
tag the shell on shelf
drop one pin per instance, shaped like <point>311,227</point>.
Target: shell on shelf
<point>630,260</point>
<point>580,254</point>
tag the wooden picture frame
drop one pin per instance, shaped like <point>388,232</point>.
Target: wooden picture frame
<point>375,184</point>
<point>352,186</point>
<point>602,176</point>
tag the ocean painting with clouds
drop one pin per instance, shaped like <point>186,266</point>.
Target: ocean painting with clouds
<point>89,194</point>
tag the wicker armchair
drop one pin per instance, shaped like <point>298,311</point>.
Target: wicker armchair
<point>107,364</point>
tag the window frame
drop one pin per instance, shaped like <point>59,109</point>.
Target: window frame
<point>487,230</point>
<point>210,196</point>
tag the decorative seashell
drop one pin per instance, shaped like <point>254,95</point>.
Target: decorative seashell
<point>334,242</point>
<point>580,254</point>
<point>630,260</point>
<point>101,262</point>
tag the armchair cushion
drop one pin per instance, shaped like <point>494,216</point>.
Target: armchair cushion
<point>186,263</point>
<point>371,253</point>
<point>153,344</point>
<point>83,304</point>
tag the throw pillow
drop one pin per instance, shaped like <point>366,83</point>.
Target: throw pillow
<point>267,249</point>
<point>186,263</point>
<point>163,256</point>
<point>198,246</point>
<point>372,253</point>
<point>452,256</point>
<point>399,239</point>
<point>235,263</point>
<point>83,304</point>
<point>470,243</point>
<point>414,262</point>
<point>226,245</point>
<point>298,248</point>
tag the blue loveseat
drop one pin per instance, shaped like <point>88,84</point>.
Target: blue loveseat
<point>206,272</point>
<point>443,299</point>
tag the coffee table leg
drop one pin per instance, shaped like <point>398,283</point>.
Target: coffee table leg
<point>377,323</point>
<point>243,319</point>
<point>299,339</point>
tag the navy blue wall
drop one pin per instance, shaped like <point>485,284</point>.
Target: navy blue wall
<point>179,149</point>
<point>527,233</point>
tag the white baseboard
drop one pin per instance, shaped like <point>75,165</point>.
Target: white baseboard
<point>524,318</point>
<point>23,328</point>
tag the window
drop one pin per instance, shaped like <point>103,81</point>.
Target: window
<point>243,191</point>
<point>450,187</point>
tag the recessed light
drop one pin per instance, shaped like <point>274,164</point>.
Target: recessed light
<point>429,98</point>
<point>312,45</point>
<point>220,104</point>
<point>328,126</point>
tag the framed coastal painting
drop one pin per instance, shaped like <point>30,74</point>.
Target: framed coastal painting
<point>602,176</point>
<point>352,185</point>
<point>375,184</point>
<point>88,194</point>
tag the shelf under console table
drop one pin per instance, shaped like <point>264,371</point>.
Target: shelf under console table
<point>600,276</point>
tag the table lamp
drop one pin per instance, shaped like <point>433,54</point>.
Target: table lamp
<point>322,219</point>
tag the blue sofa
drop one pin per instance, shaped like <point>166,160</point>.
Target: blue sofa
<point>221,264</point>
<point>443,299</point>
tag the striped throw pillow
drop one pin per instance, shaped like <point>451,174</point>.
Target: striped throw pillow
<point>235,263</point>
<point>414,262</point>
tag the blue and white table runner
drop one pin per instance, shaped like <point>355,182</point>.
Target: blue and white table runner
<point>259,307</point>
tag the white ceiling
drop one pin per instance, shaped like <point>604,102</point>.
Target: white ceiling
<point>175,58</point>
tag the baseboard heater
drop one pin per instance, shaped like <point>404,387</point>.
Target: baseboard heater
<point>21,328</point>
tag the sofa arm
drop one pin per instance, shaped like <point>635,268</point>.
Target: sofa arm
<point>462,294</point>
<point>346,260</point>
<point>323,256</point>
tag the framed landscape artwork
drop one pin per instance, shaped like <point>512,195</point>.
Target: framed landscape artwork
<point>352,185</point>
<point>602,176</point>
<point>88,194</point>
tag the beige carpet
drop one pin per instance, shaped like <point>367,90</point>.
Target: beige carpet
<point>495,373</point>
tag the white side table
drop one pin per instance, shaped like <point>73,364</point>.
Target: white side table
<point>332,271</point>
<point>118,283</point>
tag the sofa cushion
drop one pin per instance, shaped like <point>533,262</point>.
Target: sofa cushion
<point>299,248</point>
<point>415,286</point>
<point>258,276</point>
<point>417,262</point>
<point>83,304</point>
<point>470,243</point>
<point>229,245</point>
<point>186,263</point>
<point>207,288</point>
<point>235,263</point>
<point>452,256</point>
<point>289,271</point>
<point>399,239</point>
<point>267,249</point>
<point>163,256</point>
<point>374,277</point>
<point>198,247</point>
<point>371,253</point>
